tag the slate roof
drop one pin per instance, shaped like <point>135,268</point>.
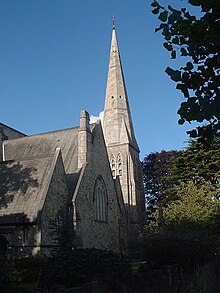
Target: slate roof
<point>9,132</point>
<point>25,172</point>
<point>23,189</point>
<point>42,145</point>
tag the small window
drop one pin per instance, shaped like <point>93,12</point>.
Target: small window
<point>119,164</point>
<point>100,200</point>
<point>113,165</point>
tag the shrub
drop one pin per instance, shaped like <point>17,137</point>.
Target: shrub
<point>9,277</point>
<point>30,267</point>
<point>84,265</point>
<point>188,249</point>
<point>203,280</point>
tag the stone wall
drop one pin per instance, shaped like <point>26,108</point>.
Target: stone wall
<point>101,235</point>
<point>56,202</point>
<point>132,189</point>
<point>33,238</point>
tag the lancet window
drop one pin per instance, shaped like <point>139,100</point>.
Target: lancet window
<point>113,165</point>
<point>119,164</point>
<point>100,200</point>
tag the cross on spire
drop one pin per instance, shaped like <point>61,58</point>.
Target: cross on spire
<point>113,22</point>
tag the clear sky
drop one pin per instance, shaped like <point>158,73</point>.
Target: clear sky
<point>54,58</point>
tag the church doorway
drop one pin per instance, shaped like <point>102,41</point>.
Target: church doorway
<point>3,246</point>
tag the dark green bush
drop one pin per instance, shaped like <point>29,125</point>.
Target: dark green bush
<point>10,278</point>
<point>186,249</point>
<point>84,265</point>
<point>30,267</point>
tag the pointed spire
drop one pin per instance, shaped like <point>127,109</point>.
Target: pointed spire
<point>116,101</point>
<point>113,22</point>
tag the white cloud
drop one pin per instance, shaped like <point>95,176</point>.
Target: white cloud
<point>93,119</point>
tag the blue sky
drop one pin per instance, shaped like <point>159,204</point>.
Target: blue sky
<point>54,58</point>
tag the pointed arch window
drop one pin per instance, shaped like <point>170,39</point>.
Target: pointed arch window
<point>119,164</point>
<point>113,165</point>
<point>100,200</point>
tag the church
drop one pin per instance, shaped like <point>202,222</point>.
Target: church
<point>91,171</point>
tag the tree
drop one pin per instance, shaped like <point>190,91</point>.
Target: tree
<point>197,39</point>
<point>63,234</point>
<point>199,163</point>
<point>192,223</point>
<point>191,233</point>
<point>10,277</point>
<point>196,208</point>
<point>156,166</point>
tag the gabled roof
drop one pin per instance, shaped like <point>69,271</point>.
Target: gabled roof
<point>23,188</point>
<point>44,145</point>
<point>8,132</point>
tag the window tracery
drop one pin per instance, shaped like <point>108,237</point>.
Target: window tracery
<point>100,200</point>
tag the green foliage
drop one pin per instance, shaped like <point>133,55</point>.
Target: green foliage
<point>186,249</point>
<point>198,163</point>
<point>69,267</point>
<point>63,233</point>
<point>155,167</point>
<point>198,39</point>
<point>84,265</point>
<point>191,207</point>
<point>195,207</point>
<point>202,280</point>
<point>30,267</point>
<point>10,278</point>
<point>191,230</point>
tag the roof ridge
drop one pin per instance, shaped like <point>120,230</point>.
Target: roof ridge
<point>13,128</point>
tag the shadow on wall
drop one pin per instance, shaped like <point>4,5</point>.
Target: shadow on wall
<point>13,219</point>
<point>13,178</point>
<point>15,231</point>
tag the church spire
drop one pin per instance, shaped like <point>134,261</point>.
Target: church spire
<point>117,122</point>
<point>113,22</point>
<point>121,144</point>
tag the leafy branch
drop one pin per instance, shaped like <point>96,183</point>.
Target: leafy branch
<point>198,40</point>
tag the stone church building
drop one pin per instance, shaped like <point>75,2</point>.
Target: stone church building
<point>91,171</point>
